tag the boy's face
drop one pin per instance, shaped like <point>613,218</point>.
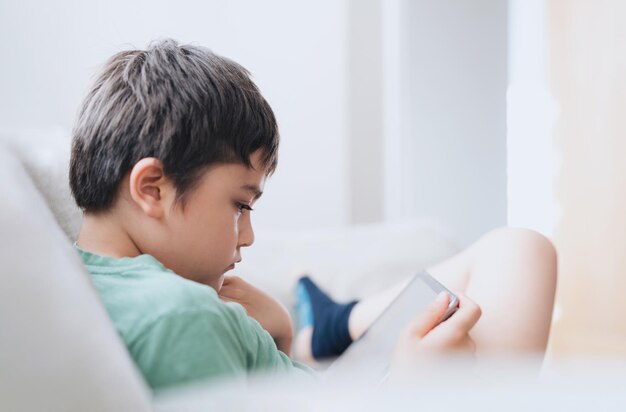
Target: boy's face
<point>204,239</point>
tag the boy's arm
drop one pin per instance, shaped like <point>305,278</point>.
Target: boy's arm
<point>270,313</point>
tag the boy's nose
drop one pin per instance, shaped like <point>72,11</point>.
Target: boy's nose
<point>246,233</point>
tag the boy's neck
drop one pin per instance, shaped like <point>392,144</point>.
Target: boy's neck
<point>103,235</point>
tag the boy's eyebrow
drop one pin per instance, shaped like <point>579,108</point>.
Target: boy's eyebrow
<point>254,190</point>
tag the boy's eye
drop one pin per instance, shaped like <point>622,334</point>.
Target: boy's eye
<point>242,206</point>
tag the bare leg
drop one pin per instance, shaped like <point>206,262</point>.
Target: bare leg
<point>510,273</point>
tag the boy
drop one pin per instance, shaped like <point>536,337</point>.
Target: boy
<point>171,149</point>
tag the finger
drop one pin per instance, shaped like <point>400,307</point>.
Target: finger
<point>467,315</point>
<point>431,316</point>
<point>224,289</point>
<point>233,293</point>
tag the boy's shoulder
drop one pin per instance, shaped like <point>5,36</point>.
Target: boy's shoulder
<point>139,291</point>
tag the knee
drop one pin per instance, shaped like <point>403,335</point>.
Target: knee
<point>527,244</point>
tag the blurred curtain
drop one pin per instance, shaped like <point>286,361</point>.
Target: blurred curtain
<point>588,79</point>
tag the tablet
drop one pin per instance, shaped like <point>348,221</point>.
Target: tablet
<point>372,352</point>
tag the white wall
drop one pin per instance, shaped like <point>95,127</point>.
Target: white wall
<point>297,52</point>
<point>532,111</point>
<point>389,109</point>
<point>366,111</point>
<point>446,113</point>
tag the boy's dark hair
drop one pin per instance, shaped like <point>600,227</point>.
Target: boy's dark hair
<point>181,104</point>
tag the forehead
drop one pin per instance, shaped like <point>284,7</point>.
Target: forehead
<point>236,176</point>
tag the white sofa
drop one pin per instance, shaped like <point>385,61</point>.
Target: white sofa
<point>58,350</point>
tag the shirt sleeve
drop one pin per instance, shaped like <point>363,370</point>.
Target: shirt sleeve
<point>197,344</point>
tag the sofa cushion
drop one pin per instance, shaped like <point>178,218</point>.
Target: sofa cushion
<point>58,349</point>
<point>45,156</point>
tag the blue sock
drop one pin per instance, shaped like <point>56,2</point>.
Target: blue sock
<point>328,318</point>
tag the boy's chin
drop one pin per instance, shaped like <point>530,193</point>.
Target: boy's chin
<point>217,284</point>
<point>213,281</point>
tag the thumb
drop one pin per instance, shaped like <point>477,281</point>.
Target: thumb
<point>430,317</point>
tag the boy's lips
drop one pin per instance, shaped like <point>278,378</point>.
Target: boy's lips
<point>232,266</point>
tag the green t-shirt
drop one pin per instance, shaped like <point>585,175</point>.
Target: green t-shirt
<point>177,330</point>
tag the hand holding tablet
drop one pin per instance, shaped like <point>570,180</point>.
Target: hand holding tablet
<point>411,326</point>
<point>437,337</point>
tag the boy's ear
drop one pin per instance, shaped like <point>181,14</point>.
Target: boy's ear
<point>149,188</point>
